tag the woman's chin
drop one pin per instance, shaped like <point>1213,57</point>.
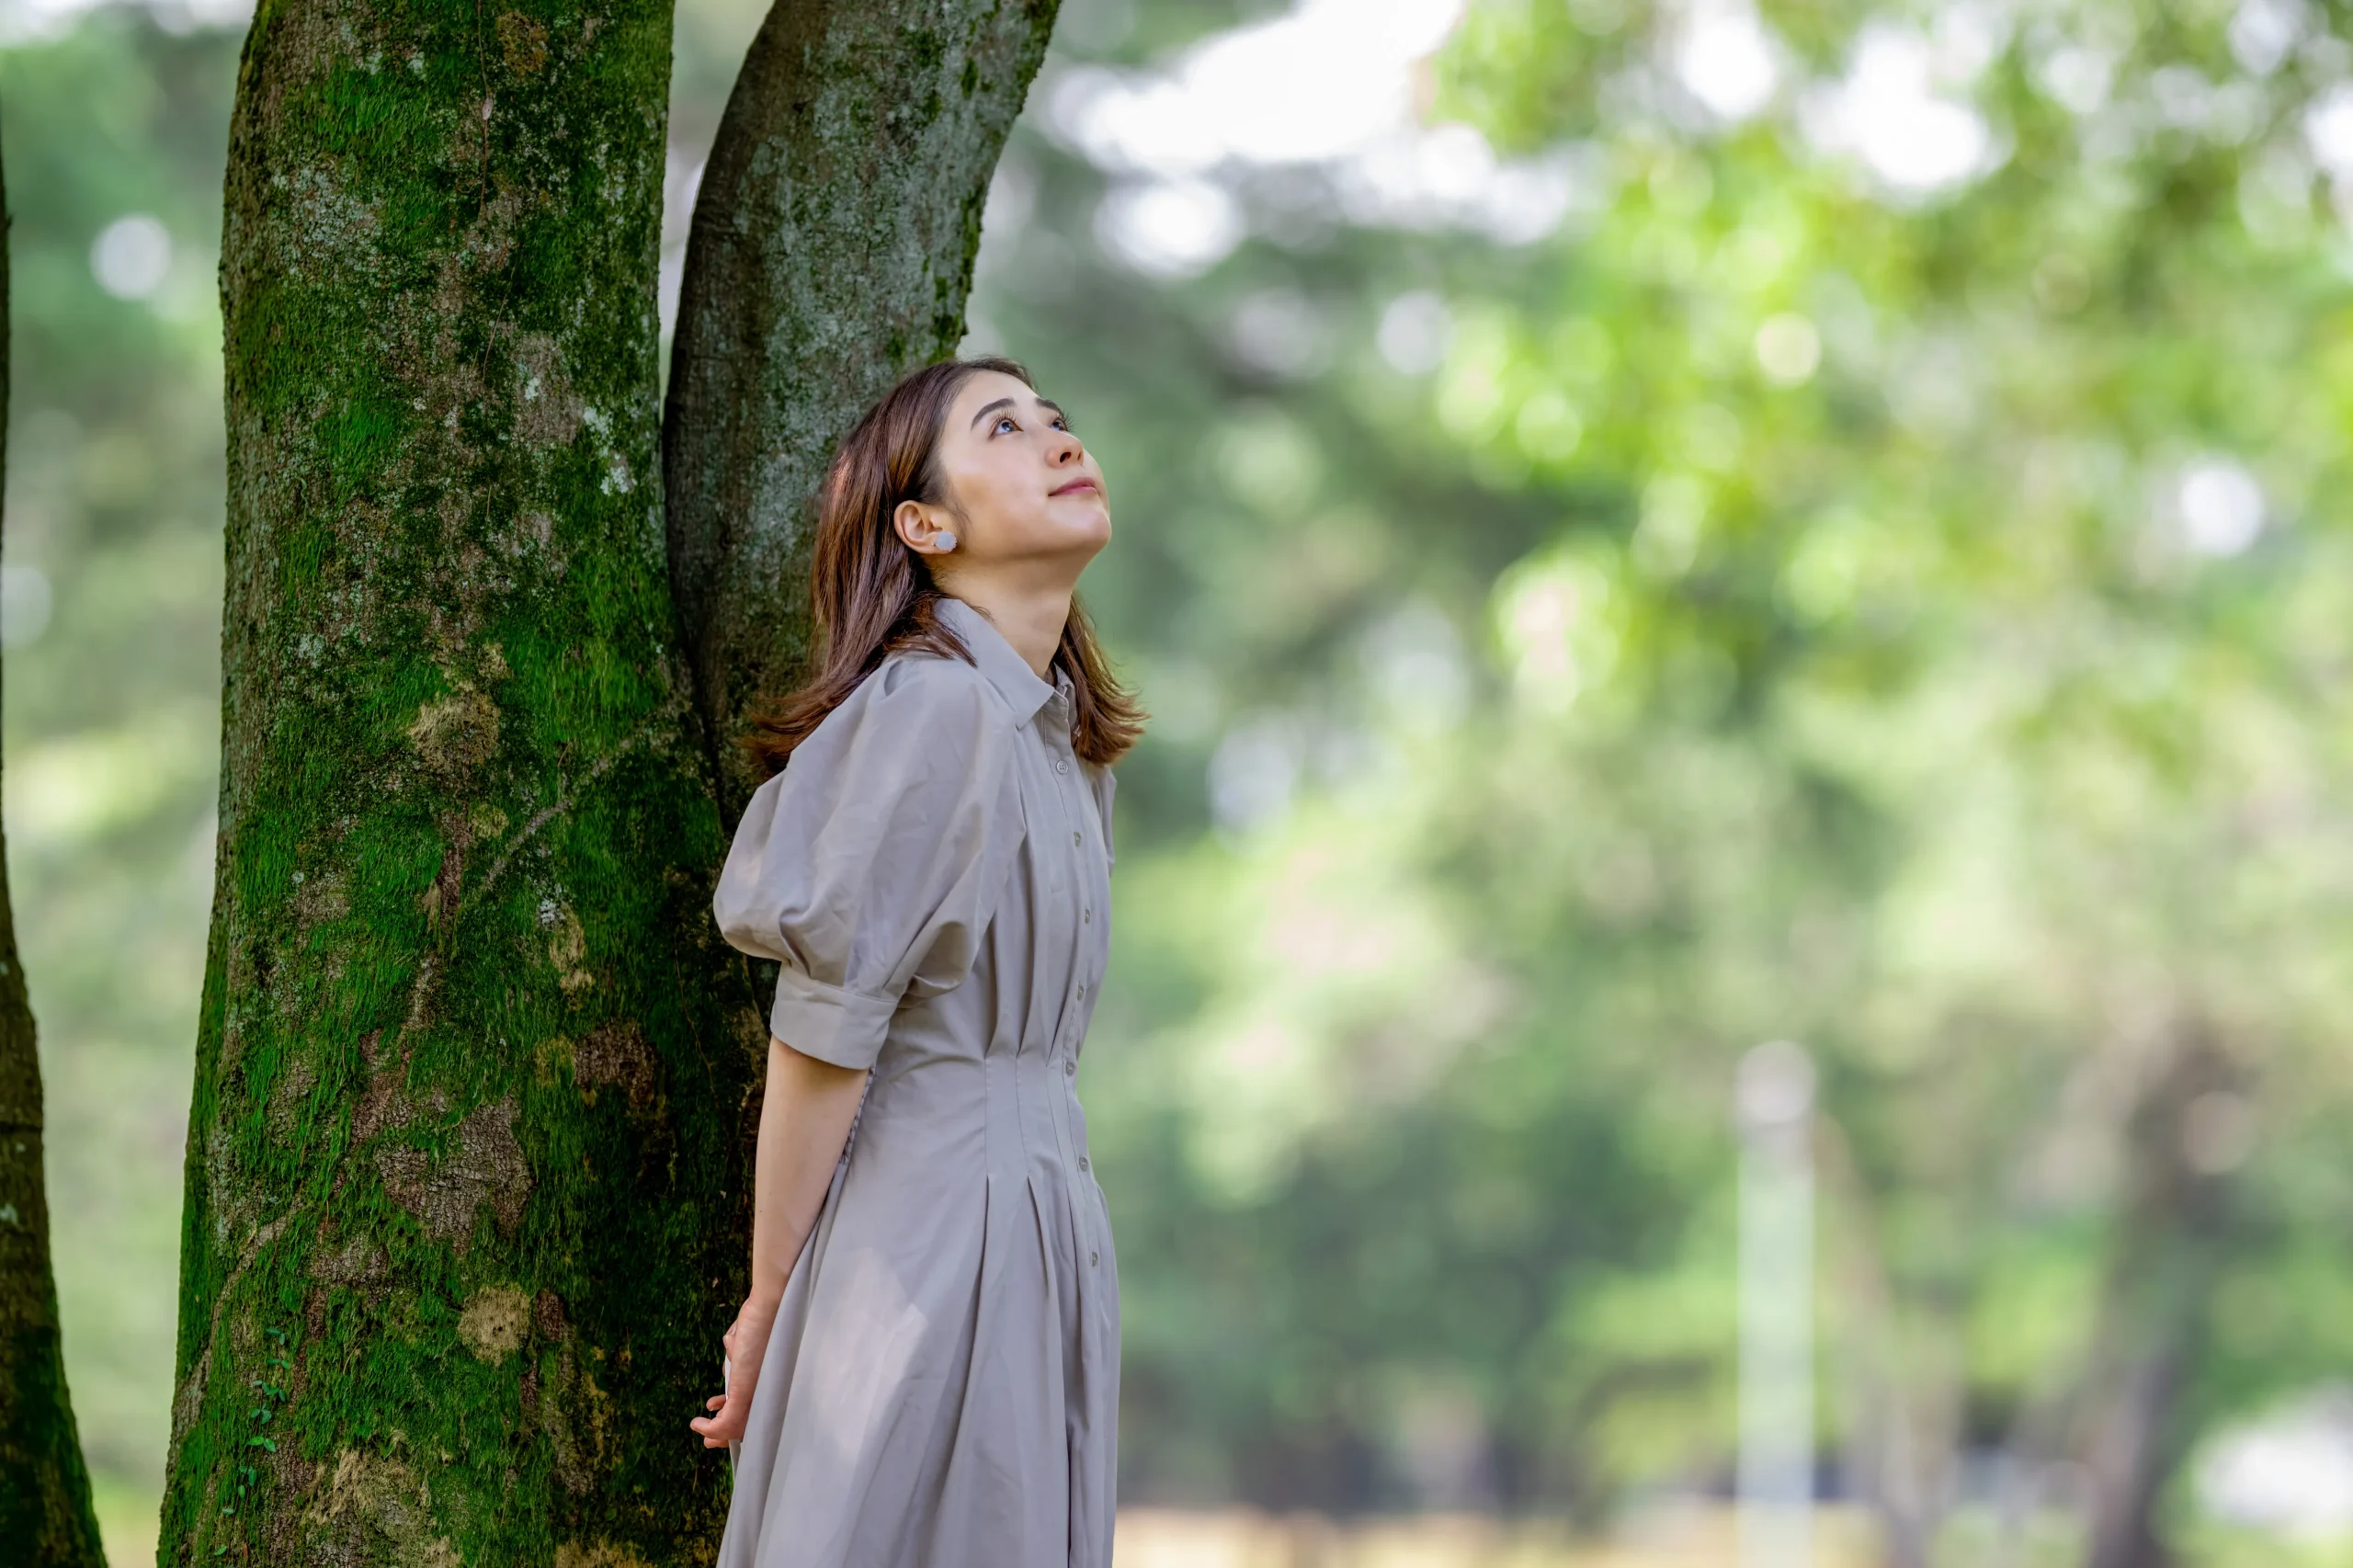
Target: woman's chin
<point>1072,527</point>
<point>1062,530</point>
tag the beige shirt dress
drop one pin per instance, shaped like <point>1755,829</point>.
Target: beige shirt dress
<point>932,871</point>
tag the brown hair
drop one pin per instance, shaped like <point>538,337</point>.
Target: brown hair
<point>874,596</point>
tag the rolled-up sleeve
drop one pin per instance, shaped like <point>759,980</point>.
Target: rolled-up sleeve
<point>871,867</point>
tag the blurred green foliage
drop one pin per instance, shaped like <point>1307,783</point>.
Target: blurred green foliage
<point>1816,594</point>
<point>112,708</point>
<point>1882,583</point>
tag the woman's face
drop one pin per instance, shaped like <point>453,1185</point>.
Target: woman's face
<point>1021,490</point>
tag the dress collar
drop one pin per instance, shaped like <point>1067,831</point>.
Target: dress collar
<point>1004,669</point>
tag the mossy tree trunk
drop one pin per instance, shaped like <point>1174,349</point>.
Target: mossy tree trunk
<point>830,253</point>
<point>45,1518</point>
<point>464,1209</point>
<point>464,1219</point>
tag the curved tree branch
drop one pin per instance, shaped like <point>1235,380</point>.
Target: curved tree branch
<point>830,253</point>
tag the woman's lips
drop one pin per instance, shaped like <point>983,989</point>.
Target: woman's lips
<point>1074,486</point>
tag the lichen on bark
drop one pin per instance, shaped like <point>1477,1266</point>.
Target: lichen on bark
<point>464,1216</point>
<point>830,253</point>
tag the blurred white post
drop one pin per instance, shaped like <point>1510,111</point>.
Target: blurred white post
<point>1775,1109</point>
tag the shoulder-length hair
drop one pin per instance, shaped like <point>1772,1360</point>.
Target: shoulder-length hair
<point>874,596</point>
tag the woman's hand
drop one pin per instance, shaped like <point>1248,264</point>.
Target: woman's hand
<point>806,1115</point>
<point>747,1343</point>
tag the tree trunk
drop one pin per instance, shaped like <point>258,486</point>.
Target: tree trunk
<point>2160,1286</point>
<point>45,1518</point>
<point>830,253</point>
<point>464,1219</point>
<point>1902,1399</point>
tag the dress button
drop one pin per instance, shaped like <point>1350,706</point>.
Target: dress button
<point>1061,766</point>
<point>1082,1163</point>
<point>1082,991</point>
<point>1074,837</point>
<point>1090,1257</point>
<point>1086,915</point>
<point>1070,1067</point>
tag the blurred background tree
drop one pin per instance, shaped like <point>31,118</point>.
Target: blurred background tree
<point>1644,531</point>
<point>45,1511</point>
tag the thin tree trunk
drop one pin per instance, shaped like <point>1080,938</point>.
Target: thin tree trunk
<point>1901,1400</point>
<point>830,253</point>
<point>2158,1292</point>
<point>462,1221</point>
<point>45,1518</point>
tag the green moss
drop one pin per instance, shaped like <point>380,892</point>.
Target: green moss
<point>921,50</point>
<point>464,824</point>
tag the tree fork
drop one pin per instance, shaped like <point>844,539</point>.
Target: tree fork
<point>463,1217</point>
<point>830,253</point>
<point>45,1516</point>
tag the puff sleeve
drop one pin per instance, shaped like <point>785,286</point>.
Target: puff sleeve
<point>871,866</point>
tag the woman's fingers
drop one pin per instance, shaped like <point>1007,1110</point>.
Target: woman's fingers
<point>730,1409</point>
<point>719,1430</point>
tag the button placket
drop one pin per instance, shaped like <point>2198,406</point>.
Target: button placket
<point>1075,812</point>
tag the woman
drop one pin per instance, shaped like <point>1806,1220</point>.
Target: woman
<point>926,1372</point>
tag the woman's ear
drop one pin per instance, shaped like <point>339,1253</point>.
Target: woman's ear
<point>919,527</point>
<point>927,529</point>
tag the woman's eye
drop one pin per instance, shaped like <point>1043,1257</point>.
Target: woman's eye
<point>1005,421</point>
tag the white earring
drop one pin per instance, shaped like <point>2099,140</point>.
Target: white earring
<point>946,542</point>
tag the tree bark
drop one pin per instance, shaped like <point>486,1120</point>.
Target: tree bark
<point>45,1516</point>
<point>830,253</point>
<point>464,1219</point>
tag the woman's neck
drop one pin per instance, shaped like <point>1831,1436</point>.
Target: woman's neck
<point>1029,618</point>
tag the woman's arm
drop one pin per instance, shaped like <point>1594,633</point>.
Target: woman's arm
<point>804,1120</point>
<point>909,785</point>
